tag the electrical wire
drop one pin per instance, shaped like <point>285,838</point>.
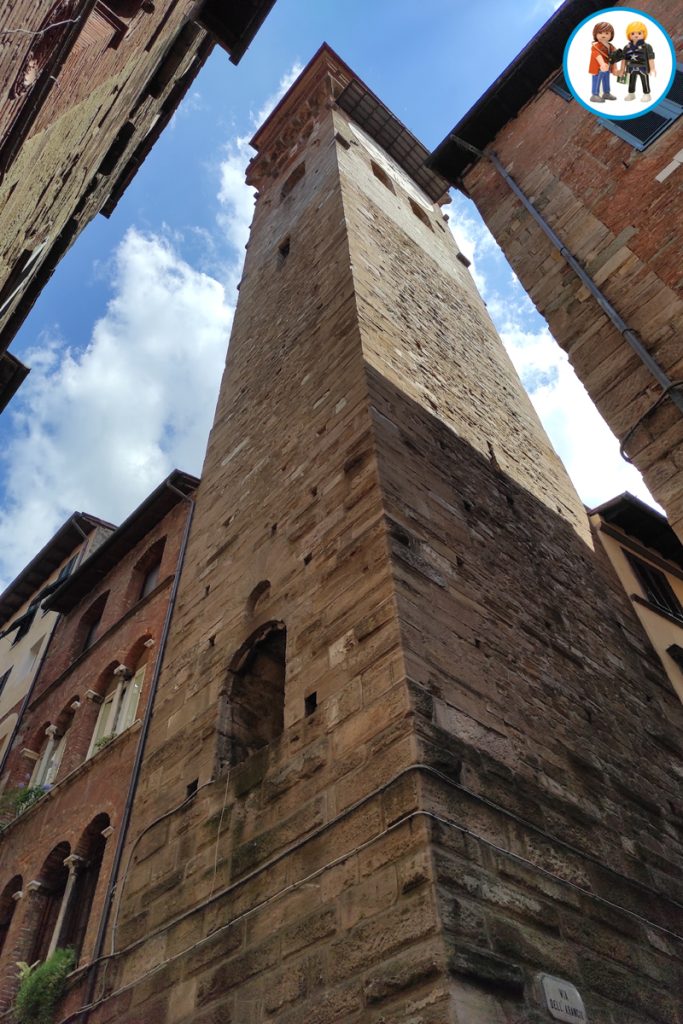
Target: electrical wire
<point>308,879</point>
<point>676,385</point>
<point>345,856</point>
<point>39,32</point>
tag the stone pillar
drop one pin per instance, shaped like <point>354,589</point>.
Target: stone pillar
<point>74,863</point>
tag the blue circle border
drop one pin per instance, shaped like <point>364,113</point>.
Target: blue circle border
<point>601,113</point>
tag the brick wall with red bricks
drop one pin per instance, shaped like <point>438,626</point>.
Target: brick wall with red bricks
<point>622,217</point>
<point>70,692</point>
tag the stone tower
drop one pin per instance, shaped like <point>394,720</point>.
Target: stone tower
<point>430,750</point>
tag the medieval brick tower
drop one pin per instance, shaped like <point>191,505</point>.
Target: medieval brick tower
<point>411,753</point>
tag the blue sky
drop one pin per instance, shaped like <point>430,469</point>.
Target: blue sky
<point>128,340</point>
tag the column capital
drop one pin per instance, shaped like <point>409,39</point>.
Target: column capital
<point>73,862</point>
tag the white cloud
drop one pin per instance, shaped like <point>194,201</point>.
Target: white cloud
<point>99,429</point>
<point>580,436</point>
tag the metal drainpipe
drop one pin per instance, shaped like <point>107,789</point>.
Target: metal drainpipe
<point>669,387</point>
<point>127,811</point>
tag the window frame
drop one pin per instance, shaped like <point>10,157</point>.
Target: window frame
<point>658,593</point>
<point>118,709</point>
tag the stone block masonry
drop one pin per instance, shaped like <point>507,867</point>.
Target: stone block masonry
<point>619,211</point>
<point>462,776</point>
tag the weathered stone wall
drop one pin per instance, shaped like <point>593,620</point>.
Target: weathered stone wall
<point>606,202</point>
<point>539,702</point>
<point>469,790</point>
<point>113,94</point>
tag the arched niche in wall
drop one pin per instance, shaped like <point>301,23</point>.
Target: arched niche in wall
<point>252,702</point>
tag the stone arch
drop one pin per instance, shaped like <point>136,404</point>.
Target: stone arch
<point>88,627</point>
<point>8,905</point>
<point>252,702</point>
<point>47,894</point>
<point>103,681</point>
<point>87,862</point>
<point>147,571</point>
<point>138,654</point>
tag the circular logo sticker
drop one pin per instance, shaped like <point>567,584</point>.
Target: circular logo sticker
<point>619,63</point>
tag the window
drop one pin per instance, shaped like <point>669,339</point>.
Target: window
<point>675,651</point>
<point>420,213</point>
<point>19,276</point>
<point>51,587</point>
<point>295,177</point>
<point>382,176</point>
<point>34,656</point>
<point>656,587</point>
<point>560,87</point>
<point>91,633</point>
<point>150,581</point>
<point>49,889</point>
<point>3,679</point>
<point>66,569</point>
<point>90,623</point>
<point>147,571</point>
<point>21,626</point>
<point>85,867</point>
<point>50,758</point>
<point>119,707</point>
<point>641,131</point>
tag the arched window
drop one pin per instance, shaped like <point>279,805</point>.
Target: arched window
<point>120,704</point>
<point>53,746</point>
<point>90,623</point>
<point>8,905</point>
<point>48,891</point>
<point>87,861</point>
<point>147,570</point>
<point>251,710</point>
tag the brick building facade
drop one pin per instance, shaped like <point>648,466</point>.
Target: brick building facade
<point>26,626</point>
<point>86,87</point>
<point>80,735</point>
<point>411,752</point>
<point>612,195</point>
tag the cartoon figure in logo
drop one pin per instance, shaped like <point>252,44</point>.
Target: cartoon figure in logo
<point>599,67</point>
<point>639,61</point>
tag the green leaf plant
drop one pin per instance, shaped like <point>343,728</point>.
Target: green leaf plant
<point>41,986</point>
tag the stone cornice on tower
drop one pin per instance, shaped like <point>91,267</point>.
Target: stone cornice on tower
<point>282,135</point>
<point>327,80</point>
